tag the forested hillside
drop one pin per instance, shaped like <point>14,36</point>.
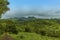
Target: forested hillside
<point>38,28</point>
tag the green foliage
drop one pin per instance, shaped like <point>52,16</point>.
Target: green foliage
<point>3,6</point>
<point>26,36</point>
<point>8,26</point>
<point>31,36</point>
<point>46,27</point>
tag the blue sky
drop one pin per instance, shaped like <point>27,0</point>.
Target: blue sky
<point>34,3</point>
<point>33,7</point>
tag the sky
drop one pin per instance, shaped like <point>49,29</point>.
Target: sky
<point>37,8</point>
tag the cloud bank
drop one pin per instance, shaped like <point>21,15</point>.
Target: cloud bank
<point>31,11</point>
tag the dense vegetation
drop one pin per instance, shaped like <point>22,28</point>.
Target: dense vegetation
<point>27,28</point>
<point>38,28</point>
<point>3,6</point>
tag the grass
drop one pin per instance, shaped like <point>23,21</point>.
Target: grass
<point>31,36</point>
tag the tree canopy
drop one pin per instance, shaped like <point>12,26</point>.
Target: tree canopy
<point>3,6</point>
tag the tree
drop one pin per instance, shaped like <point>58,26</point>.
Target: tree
<point>3,6</point>
<point>10,27</point>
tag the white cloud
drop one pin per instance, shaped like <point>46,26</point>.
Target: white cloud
<point>38,12</point>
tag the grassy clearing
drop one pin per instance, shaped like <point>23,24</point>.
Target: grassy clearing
<point>31,36</point>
